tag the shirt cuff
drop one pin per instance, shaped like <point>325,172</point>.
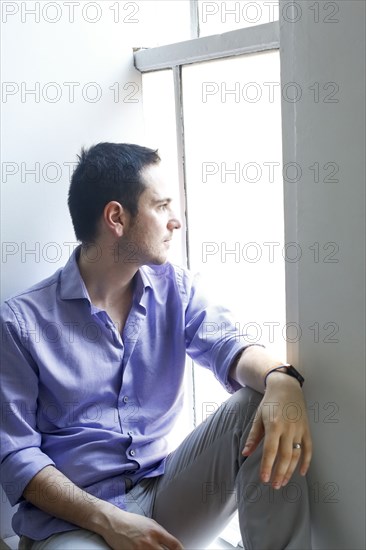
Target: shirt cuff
<point>230,384</point>
<point>20,467</point>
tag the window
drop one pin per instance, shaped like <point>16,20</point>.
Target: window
<point>232,128</point>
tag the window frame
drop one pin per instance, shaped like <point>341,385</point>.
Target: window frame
<point>249,40</point>
<point>238,42</point>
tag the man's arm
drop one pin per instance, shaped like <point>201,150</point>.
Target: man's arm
<point>281,417</point>
<point>55,494</point>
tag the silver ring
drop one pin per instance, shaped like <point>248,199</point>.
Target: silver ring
<point>296,445</point>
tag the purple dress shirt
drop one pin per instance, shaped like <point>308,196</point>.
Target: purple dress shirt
<point>97,405</point>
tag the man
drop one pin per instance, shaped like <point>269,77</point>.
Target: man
<point>93,363</point>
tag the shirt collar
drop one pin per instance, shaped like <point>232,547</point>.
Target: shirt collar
<point>73,286</point>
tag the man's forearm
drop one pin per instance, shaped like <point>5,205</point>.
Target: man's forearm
<point>54,493</point>
<point>252,367</point>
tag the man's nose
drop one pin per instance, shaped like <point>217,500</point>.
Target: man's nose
<point>174,223</point>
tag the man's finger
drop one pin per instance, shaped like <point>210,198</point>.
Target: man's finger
<point>296,454</point>
<point>255,436</point>
<point>171,543</point>
<point>270,448</point>
<point>306,454</point>
<point>286,454</point>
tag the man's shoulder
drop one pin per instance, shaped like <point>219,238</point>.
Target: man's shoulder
<point>166,269</point>
<point>36,294</point>
<point>168,274</point>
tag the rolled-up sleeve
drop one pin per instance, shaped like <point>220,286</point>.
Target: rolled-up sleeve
<point>213,339</point>
<point>21,456</point>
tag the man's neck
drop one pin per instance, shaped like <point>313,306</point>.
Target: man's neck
<point>109,282</point>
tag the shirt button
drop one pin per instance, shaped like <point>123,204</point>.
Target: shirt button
<point>125,399</point>
<point>132,452</point>
<point>130,433</point>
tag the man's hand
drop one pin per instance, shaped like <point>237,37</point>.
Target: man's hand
<point>282,420</point>
<point>134,532</point>
<point>50,491</point>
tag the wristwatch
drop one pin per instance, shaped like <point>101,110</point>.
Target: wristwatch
<point>290,370</point>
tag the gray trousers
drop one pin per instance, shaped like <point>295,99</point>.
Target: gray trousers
<point>206,480</point>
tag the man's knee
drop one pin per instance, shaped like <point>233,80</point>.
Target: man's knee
<point>241,407</point>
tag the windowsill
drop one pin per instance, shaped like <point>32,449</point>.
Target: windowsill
<point>229,538</point>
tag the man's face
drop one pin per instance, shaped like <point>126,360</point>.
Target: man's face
<point>148,235</point>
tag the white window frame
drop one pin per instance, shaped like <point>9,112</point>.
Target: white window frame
<point>174,56</point>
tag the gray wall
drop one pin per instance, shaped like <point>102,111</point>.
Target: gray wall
<point>327,292</point>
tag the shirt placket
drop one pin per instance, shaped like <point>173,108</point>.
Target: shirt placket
<point>128,403</point>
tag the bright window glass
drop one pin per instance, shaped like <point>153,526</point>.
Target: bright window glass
<point>232,121</point>
<point>221,16</point>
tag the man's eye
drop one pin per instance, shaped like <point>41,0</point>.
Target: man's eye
<point>163,206</point>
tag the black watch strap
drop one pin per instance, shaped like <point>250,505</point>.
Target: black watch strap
<point>290,370</point>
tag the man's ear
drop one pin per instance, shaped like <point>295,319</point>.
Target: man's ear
<point>115,218</point>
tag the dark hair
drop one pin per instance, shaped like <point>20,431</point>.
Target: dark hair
<point>106,172</point>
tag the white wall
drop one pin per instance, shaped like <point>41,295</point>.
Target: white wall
<point>36,130</point>
<point>320,291</point>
